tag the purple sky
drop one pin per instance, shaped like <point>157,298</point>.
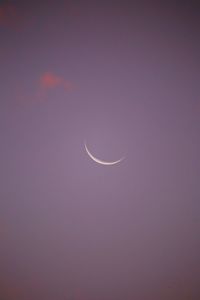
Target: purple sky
<point>125,77</point>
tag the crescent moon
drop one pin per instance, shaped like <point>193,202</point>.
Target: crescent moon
<point>102,162</point>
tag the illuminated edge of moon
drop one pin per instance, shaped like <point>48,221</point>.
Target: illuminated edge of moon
<point>102,162</point>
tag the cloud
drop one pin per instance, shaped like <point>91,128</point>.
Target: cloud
<point>40,89</point>
<point>8,14</point>
<point>49,80</point>
<point>9,290</point>
<point>12,17</point>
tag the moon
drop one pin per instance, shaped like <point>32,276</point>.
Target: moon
<point>102,162</point>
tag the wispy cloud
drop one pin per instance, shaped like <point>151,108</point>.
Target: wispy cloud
<point>13,17</point>
<point>8,14</point>
<point>42,87</point>
<point>49,80</point>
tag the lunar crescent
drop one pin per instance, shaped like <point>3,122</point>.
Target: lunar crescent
<point>102,162</point>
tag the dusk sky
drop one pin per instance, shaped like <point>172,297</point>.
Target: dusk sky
<point>123,76</point>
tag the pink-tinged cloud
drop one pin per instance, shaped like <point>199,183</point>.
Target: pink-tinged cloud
<point>9,290</point>
<point>41,88</point>
<point>11,17</point>
<point>49,80</point>
<point>8,14</point>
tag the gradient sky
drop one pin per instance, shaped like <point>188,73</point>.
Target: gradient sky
<point>125,77</point>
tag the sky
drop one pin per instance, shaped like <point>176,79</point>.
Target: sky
<point>123,76</point>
